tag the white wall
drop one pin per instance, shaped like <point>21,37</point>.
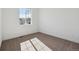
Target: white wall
<point>0,27</point>
<point>11,26</point>
<point>63,23</point>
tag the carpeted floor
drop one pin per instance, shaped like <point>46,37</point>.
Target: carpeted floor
<point>56,44</point>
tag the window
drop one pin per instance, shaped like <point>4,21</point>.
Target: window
<point>25,15</point>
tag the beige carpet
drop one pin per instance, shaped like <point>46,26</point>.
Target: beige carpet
<point>34,45</point>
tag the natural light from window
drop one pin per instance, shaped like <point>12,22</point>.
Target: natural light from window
<point>25,15</point>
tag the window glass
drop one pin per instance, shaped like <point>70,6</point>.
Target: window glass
<point>25,15</point>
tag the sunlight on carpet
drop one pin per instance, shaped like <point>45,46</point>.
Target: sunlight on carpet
<point>34,45</point>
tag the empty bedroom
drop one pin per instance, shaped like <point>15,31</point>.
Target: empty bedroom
<point>39,29</point>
